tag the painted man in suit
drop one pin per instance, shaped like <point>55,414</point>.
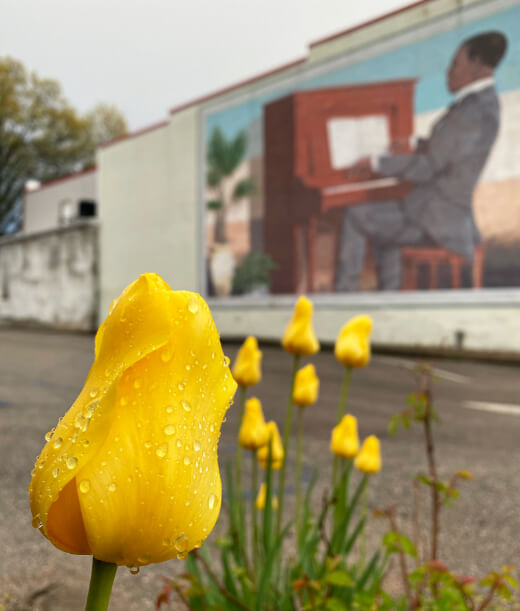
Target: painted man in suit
<point>443,170</point>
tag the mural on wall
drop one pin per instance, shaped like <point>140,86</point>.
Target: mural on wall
<point>401,172</point>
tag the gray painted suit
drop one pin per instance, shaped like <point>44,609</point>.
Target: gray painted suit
<point>438,210</point>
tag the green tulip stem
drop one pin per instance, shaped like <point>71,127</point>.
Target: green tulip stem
<point>299,465</point>
<point>101,580</point>
<point>241,406</point>
<point>364,531</point>
<point>341,411</point>
<point>286,440</point>
<point>254,492</point>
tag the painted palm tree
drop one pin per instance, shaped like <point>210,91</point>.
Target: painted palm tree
<point>224,157</point>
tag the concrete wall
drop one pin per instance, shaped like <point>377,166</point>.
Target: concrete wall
<point>483,323</point>
<point>42,205</point>
<point>50,278</point>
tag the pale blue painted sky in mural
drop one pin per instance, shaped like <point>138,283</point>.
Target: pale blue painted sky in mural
<point>425,60</point>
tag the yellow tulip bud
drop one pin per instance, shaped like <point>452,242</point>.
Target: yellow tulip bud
<point>306,386</point>
<point>254,432</point>
<point>352,347</point>
<point>345,441</point>
<point>260,499</point>
<point>299,337</point>
<point>369,458</point>
<point>277,452</point>
<point>130,474</point>
<point>246,369</point>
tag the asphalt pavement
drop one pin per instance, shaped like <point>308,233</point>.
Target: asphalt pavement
<point>479,406</point>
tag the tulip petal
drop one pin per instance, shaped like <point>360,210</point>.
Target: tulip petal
<point>139,323</point>
<point>169,409</point>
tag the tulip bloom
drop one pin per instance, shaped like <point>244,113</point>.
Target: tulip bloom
<point>277,452</point>
<point>352,347</point>
<point>130,473</point>
<point>306,386</point>
<point>299,337</point>
<point>345,442</point>
<point>369,458</point>
<point>246,369</point>
<point>253,433</point>
<point>260,499</point>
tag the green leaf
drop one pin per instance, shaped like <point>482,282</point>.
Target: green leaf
<point>214,204</point>
<point>340,578</point>
<point>335,604</point>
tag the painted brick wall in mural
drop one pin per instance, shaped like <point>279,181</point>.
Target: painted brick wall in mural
<point>400,172</point>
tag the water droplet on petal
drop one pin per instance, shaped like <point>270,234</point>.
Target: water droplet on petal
<point>166,355</point>
<point>48,435</point>
<point>166,542</point>
<point>57,443</point>
<point>123,401</point>
<point>36,522</point>
<point>193,306</point>
<point>94,392</point>
<point>71,462</point>
<point>84,486</point>
<point>188,366</point>
<point>137,384</point>
<point>211,501</point>
<point>180,386</point>
<point>196,446</point>
<point>169,409</point>
<point>162,450</point>
<point>112,487</point>
<point>147,444</point>
<point>55,472</point>
<point>211,428</point>
<point>182,555</point>
<point>169,429</point>
<point>199,544</point>
<point>134,570</point>
<point>186,406</point>
<point>227,360</point>
<point>187,460</point>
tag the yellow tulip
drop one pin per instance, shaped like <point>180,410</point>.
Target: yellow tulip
<point>299,337</point>
<point>344,441</point>
<point>246,369</point>
<point>130,473</point>
<point>369,458</point>
<point>277,453</point>
<point>260,499</point>
<point>306,386</point>
<point>253,433</point>
<point>352,347</point>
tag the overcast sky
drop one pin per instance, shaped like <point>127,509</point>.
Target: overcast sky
<point>148,56</point>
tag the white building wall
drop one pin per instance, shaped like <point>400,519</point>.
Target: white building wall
<point>42,206</point>
<point>50,278</point>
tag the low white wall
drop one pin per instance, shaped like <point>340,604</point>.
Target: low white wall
<point>50,278</point>
<point>489,321</point>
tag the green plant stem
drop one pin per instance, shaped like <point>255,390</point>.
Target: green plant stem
<point>286,440</point>
<point>101,580</point>
<point>299,466</point>
<point>364,531</point>
<point>254,522</point>
<point>241,406</point>
<point>341,411</point>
